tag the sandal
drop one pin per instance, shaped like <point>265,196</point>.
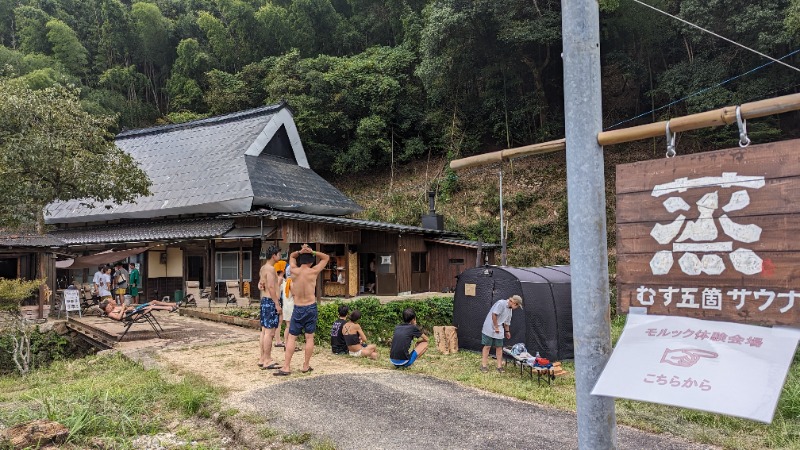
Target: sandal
<point>281,344</point>
<point>500,370</point>
<point>484,369</point>
<point>174,308</point>
<point>281,373</point>
<point>272,366</point>
<point>307,370</point>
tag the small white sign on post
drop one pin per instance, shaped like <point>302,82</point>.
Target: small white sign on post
<point>700,364</point>
<point>72,301</point>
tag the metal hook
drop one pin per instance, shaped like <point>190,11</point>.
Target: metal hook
<point>744,141</point>
<point>670,142</point>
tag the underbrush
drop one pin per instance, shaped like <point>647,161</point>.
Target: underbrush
<point>108,398</point>
<point>46,348</point>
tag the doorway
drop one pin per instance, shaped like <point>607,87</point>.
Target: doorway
<point>194,269</point>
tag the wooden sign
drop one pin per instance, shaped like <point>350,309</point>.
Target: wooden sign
<point>712,235</point>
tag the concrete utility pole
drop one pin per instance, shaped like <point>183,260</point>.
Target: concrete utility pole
<point>588,248</point>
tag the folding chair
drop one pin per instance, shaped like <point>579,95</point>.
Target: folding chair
<point>192,294</point>
<point>232,289</point>
<point>140,316</point>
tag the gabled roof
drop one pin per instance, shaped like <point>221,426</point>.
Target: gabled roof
<point>217,165</point>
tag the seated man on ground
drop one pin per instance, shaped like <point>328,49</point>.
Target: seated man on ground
<point>338,346</point>
<point>356,340</point>
<point>118,312</point>
<point>404,334</point>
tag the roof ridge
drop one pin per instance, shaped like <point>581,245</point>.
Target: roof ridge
<point>144,223</point>
<point>232,117</point>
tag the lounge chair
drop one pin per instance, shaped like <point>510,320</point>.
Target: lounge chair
<point>192,294</point>
<point>140,315</point>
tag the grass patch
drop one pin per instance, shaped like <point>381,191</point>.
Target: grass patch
<point>107,397</point>
<point>268,433</point>
<point>697,426</point>
<point>296,438</point>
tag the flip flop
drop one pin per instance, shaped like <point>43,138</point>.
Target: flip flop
<point>280,345</point>
<point>271,366</point>
<point>260,365</point>
<point>307,370</point>
<point>281,373</point>
<point>174,308</point>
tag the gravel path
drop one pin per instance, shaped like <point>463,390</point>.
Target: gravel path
<point>398,410</point>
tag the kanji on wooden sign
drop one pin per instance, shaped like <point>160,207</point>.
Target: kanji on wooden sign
<point>712,235</point>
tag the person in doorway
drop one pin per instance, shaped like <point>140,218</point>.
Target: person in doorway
<point>491,336</point>
<point>270,307</point>
<point>304,318</point>
<point>135,282</point>
<point>338,346</point>
<point>120,282</point>
<point>280,270</point>
<point>371,276</point>
<point>118,312</point>
<point>356,340</point>
<point>404,334</point>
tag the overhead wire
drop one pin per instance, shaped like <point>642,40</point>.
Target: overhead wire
<point>717,35</point>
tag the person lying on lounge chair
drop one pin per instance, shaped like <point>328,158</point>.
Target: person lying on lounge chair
<point>118,312</point>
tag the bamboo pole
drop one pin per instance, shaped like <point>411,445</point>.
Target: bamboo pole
<point>722,116</point>
<point>714,118</point>
<point>508,154</point>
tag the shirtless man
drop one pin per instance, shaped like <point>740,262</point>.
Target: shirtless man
<point>118,312</point>
<point>304,285</point>
<point>270,307</point>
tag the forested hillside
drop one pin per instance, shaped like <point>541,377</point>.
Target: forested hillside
<point>385,87</point>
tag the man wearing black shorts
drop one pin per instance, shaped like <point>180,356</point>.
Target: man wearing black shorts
<point>304,319</point>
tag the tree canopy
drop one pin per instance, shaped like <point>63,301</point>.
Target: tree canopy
<point>372,80</point>
<point>52,149</point>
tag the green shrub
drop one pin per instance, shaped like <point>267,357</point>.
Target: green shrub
<point>378,321</point>
<point>45,348</point>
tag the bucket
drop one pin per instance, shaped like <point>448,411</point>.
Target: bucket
<point>128,299</point>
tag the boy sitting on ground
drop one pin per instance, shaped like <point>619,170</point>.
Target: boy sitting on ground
<point>401,341</point>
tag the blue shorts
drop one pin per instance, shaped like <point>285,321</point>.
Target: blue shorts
<point>303,318</point>
<point>397,363</point>
<point>269,315</point>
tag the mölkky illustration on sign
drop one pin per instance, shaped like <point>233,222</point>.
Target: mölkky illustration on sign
<point>712,235</point>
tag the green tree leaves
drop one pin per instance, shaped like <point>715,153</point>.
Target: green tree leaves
<point>51,149</point>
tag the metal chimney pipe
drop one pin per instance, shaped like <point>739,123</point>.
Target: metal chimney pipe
<point>431,204</point>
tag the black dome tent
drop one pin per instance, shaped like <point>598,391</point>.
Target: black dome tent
<point>544,324</point>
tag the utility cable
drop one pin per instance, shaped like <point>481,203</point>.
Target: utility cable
<point>717,35</point>
<point>701,91</point>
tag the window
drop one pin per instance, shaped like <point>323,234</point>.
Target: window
<point>456,260</point>
<point>419,262</point>
<point>227,266</point>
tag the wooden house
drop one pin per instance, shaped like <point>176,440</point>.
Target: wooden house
<point>226,187</point>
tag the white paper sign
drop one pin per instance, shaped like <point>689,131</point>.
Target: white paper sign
<point>72,301</point>
<point>720,367</point>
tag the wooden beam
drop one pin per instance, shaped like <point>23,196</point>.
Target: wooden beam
<point>722,116</point>
<point>508,154</point>
<point>714,118</point>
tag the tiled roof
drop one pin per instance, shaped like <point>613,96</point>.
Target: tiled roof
<point>145,232</point>
<point>283,185</point>
<point>212,166</point>
<point>8,239</point>
<point>343,221</point>
<point>463,243</point>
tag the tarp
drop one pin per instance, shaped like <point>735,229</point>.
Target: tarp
<point>545,323</point>
<point>106,257</point>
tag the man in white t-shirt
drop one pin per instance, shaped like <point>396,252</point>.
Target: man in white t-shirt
<point>104,284</point>
<point>96,280</point>
<point>491,336</point>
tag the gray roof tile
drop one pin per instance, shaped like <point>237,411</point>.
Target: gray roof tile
<point>145,232</point>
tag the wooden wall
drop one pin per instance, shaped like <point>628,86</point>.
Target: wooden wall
<point>305,232</point>
<point>442,271</point>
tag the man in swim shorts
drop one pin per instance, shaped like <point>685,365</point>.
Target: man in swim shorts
<point>304,285</point>
<point>270,307</point>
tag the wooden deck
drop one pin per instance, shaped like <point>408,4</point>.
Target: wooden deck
<point>106,332</point>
